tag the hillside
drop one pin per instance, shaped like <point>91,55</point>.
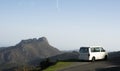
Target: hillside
<point>27,52</point>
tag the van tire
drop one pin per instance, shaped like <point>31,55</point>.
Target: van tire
<point>106,57</point>
<point>93,59</point>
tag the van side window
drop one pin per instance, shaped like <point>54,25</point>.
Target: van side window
<point>95,49</point>
<point>92,49</point>
<point>84,50</point>
<point>102,50</point>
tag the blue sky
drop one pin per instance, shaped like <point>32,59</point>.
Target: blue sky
<point>68,24</point>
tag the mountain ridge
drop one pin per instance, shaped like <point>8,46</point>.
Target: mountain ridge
<point>27,51</point>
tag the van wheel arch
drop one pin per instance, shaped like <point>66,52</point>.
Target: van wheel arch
<point>93,59</point>
<point>106,57</point>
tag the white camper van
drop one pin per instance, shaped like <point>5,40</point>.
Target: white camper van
<point>92,53</point>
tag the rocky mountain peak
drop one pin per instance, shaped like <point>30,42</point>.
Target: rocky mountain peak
<point>33,40</point>
<point>28,51</point>
<point>43,39</point>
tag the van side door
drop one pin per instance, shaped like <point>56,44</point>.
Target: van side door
<point>95,52</point>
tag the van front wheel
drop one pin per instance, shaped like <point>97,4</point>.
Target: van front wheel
<point>93,59</point>
<point>105,58</point>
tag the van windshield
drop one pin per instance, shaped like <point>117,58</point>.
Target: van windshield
<point>84,50</point>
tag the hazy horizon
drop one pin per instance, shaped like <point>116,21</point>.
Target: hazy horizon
<point>67,24</point>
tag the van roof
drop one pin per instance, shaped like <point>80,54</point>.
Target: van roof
<point>84,47</point>
<point>90,46</point>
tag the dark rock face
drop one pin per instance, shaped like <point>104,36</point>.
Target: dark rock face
<point>27,51</point>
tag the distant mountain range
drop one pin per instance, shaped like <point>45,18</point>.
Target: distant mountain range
<point>27,51</point>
